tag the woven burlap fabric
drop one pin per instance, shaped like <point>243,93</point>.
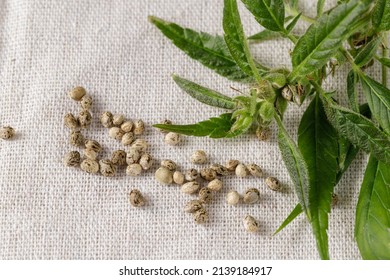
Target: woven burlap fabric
<point>49,211</point>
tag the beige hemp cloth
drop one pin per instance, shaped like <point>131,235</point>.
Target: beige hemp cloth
<point>48,211</point>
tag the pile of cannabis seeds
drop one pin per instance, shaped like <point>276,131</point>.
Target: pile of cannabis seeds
<point>119,128</point>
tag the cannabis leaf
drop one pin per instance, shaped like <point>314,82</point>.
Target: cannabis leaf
<point>323,38</point>
<point>296,166</point>
<point>236,40</point>
<point>372,225</point>
<point>269,13</point>
<point>381,15</point>
<point>291,217</point>
<point>217,127</point>
<point>384,61</point>
<point>367,52</point>
<point>359,130</point>
<point>205,95</point>
<point>317,141</point>
<point>265,35</point>
<point>378,97</point>
<point>209,50</point>
<point>351,91</point>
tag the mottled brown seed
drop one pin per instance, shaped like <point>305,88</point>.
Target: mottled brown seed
<point>71,121</point>
<point>171,165</point>
<point>220,169</point>
<point>178,178</point>
<point>7,132</point>
<point>86,102</point>
<point>233,198</point>
<point>118,120</point>
<point>255,170</point>
<point>273,183</point>
<point>89,166</point>
<point>134,169</point>
<point>263,133</point>
<point>199,157</point>
<point>118,157</point>
<point>133,156</point>
<point>127,126</point>
<point>90,154</point>
<point>215,185</point>
<point>250,224</point>
<point>251,196</point>
<point>232,164</point>
<point>146,161</point>
<point>190,187</point>
<point>76,138</point>
<point>116,133</point>
<point>107,168</point>
<point>191,174</point>
<point>72,158</point>
<point>94,145</point>
<point>172,138</point>
<point>106,119</point>
<point>193,206</point>
<point>128,138</point>
<point>140,144</point>
<point>77,93</point>
<point>241,170</point>
<point>205,195</point>
<point>85,118</point>
<point>139,127</point>
<point>164,176</point>
<point>208,174</point>
<point>200,216</point>
<point>136,198</point>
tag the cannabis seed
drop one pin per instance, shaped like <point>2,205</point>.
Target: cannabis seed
<point>190,187</point>
<point>193,206</point>
<point>199,157</point>
<point>107,168</point>
<point>220,169</point>
<point>116,133</point>
<point>169,164</point>
<point>178,178</point>
<point>127,126</point>
<point>133,156</point>
<point>85,118</point>
<point>273,183</point>
<point>250,224</point>
<point>139,127</point>
<point>77,93</point>
<point>127,138</point>
<point>164,176</point>
<point>90,154</point>
<point>118,157</point>
<point>255,170</point>
<point>134,169</point>
<point>232,164</point>
<point>146,161</point>
<point>71,121</point>
<point>172,138</point>
<point>208,174</point>
<point>89,166</point>
<point>86,102</point>
<point>94,145</point>
<point>215,185</point>
<point>200,216</point>
<point>232,198</point>
<point>191,174</point>
<point>263,133</point>
<point>287,93</point>
<point>106,119</point>
<point>251,196</point>
<point>140,145</point>
<point>72,158</point>
<point>205,195</point>
<point>7,132</point>
<point>118,120</point>
<point>241,170</point>
<point>136,198</point>
<point>76,138</point>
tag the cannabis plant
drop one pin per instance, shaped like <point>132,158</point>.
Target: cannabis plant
<point>329,135</point>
